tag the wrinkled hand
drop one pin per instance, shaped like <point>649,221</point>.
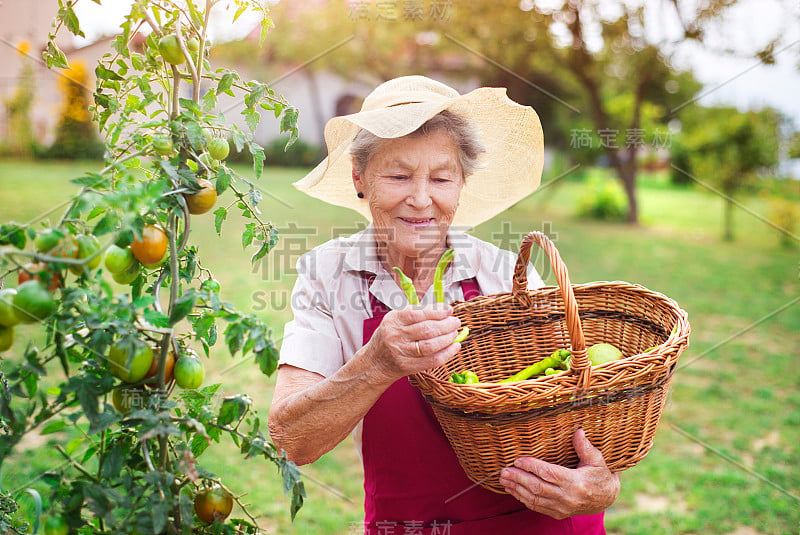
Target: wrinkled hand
<point>394,347</point>
<point>561,492</point>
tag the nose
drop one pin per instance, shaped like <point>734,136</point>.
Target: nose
<point>419,197</point>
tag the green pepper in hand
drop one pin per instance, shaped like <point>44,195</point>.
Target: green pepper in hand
<point>408,286</point>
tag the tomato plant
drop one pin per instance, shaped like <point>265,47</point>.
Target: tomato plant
<point>103,342</point>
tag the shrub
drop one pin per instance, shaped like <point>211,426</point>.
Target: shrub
<point>76,134</point>
<point>786,215</point>
<point>603,198</point>
<point>299,154</point>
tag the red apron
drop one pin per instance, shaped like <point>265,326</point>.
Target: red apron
<point>413,483</point>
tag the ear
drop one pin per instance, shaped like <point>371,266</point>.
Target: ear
<point>358,183</point>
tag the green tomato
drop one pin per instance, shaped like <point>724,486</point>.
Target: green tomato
<point>33,302</point>
<point>8,316</point>
<point>603,354</point>
<point>128,398</point>
<point>6,338</point>
<point>55,525</point>
<point>219,148</point>
<point>162,144</point>
<point>210,285</point>
<point>193,45</point>
<point>48,239</point>
<point>140,361</point>
<point>171,50</point>
<point>189,372</point>
<point>119,259</point>
<point>88,245</point>
<point>208,161</point>
<point>129,275</point>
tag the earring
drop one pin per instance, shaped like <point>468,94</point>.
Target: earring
<point>360,195</point>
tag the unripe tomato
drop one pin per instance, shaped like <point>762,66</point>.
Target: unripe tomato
<point>129,275</point>
<point>204,200</point>
<point>162,144</point>
<point>128,398</point>
<point>189,372</point>
<point>211,285</point>
<point>219,148</point>
<point>152,246</point>
<point>33,302</point>
<point>140,361</point>
<point>213,505</point>
<point>88,245</point>
<point>119,259</point>
<point>8,316</point>
<point>193,45</point>
<point>6,338</point>
<point>208,161</point>
<point>171,50</point>
<point>48,239</point>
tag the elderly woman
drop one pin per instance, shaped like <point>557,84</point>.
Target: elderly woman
<point>422,160</point>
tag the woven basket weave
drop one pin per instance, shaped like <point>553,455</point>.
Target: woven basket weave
<point>490,424</point>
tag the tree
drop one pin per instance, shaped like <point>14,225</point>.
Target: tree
<point>727,150</point>
<point>76,133</point>
<point>105,364</point>
<point>583,65</point>
<point>19,140</point>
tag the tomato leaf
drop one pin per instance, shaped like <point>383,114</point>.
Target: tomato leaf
<point>225,84</point>
<point>54,427</point>
<point>156,318</point>
<point>13,234</point>
<point>223,180</point>
<point>267,359</point>
<point>219,216</point>
<point>182,307</point>
<point>66,14</point>
<point>54,56</point>
<point>248,234</point>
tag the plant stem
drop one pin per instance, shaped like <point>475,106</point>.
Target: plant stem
<point>173,296</point>
<point>76,464</point>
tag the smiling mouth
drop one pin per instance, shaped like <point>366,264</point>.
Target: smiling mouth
<point>417,221</point>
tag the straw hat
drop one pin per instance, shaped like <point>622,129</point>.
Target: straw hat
<point>508,171</point>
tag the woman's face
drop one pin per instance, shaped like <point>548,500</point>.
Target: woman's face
<point>412,185</point>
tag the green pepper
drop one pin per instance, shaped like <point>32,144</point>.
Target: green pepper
<point>470,377</point>
<point>408,287</point>
<point>467,377</point>
<point>462,335</point>
<point>444,261</point>
<point>555,360</point>
<point>552,371</point>
<point>457,378</point>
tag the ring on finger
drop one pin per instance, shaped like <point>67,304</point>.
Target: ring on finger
<point>416,344</point>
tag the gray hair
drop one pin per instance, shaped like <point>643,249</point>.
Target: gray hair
<point>464,135</point>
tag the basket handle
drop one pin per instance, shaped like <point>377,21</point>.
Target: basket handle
<point>579,364</point>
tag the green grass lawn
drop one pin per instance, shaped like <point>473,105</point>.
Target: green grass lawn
<point>725,455</point>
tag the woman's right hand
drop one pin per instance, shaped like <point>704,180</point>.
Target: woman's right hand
<point>393,346</point>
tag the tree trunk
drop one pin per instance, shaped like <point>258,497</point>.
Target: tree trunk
<point>727,233</point>
<point>628,177</point>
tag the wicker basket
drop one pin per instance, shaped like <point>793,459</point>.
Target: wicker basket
<point>618,405</point>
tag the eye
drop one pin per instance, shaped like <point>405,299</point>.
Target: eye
<point>398,177</point>
<point>441,180</point>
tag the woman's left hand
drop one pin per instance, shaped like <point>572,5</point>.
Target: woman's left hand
<point>561,492</point>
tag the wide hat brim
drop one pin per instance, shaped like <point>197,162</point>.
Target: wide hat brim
<point>509,170</point>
